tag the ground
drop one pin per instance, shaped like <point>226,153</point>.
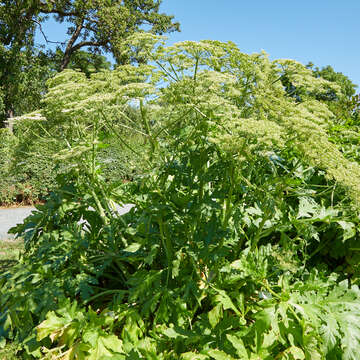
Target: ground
<point>9,255</point>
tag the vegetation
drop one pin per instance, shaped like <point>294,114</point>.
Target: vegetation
<point>9,256</point>
<point>94,26</point>
<point>28,167</point>
<point>25,68</point>
<point>9,253</point>
<point>23,74</point>
<point>344,104</point>
<point>243,242</point>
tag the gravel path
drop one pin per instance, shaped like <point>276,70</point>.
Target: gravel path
<point>10,217</point>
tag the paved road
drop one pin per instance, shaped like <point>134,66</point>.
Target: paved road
<point>10,217</point>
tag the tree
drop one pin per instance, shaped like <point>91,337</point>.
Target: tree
<point>340,98</point>
<point>82,60</point>
<point>16,46</point>
<point>328,73</point>
<point>93,25</point>
<point>100,25</point>
<point>23,75</point>
<point>342,102</point>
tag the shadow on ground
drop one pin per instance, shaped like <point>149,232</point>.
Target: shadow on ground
<point>5,265</point>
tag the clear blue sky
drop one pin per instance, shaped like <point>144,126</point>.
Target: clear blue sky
<point>326,32</point>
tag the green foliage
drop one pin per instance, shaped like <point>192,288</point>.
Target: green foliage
<point>9,255</point>
<point>8,141</point>
<point>328,73</point>
<point>27,167</point>
<point>84,61</point>
<point>241,241</point>
<point>7,144</point>
<point>98,25</point>
<point>345,106</point>
<point>23,74</point>
<point>28,163</point>
<point>342,104</point>
<point>9,353</point>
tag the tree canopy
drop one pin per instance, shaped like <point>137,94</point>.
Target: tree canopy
<point>99,25</point>
<point>93,27</point>
<point>23,75</point>
<point>343,104</point>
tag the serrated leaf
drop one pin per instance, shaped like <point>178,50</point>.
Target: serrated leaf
<point>171,333</point>
<point>330,333</point>
<point>152,254</point>
<point>226,302</point>
<point>70,334</point>
<point>105,346</point>
<point>219,355</point>
<point>238,344</point>
<point>51,327</point>
<point>78,351</point>
<point>98,351</point>
<point>307,207</point>
<point>215,315</point>
<point>193,356</point>
<point>91,336</point>
<point>350,341</point>
<point>293,353</point>
<point>113,343</point>
<point>325,214</point>
<point>115,357</point>
<point>265,318</point>
<point>254,210</point>
<point>133,248</point>
<point>348,228</point>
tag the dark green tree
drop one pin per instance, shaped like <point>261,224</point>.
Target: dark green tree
<point>98,25</point>
<point>341,99</point>
<point>82,60</point>
<point>93,27</point>
<point>23,75</point>
<point>342,103</point>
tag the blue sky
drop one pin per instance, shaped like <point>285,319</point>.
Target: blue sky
<point>326,32</point>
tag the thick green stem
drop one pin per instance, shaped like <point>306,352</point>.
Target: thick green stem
<point>100,208</point>
<point>227,208</point>
<point>167,246</point>
<point>146,125</point>
<point>257,236</point>
<point>93,151</point>
<point>110,126</point>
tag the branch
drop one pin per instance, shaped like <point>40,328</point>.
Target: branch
<point>69,48</point>
<point>43,34</point>
<point>59,12</point>
<point>87,43</point>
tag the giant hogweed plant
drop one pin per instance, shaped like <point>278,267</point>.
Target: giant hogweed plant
<point>240,245</point>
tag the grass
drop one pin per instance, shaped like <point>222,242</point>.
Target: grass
<point>9,255</point>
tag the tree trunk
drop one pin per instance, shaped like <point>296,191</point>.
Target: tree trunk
<point>69,47</point>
